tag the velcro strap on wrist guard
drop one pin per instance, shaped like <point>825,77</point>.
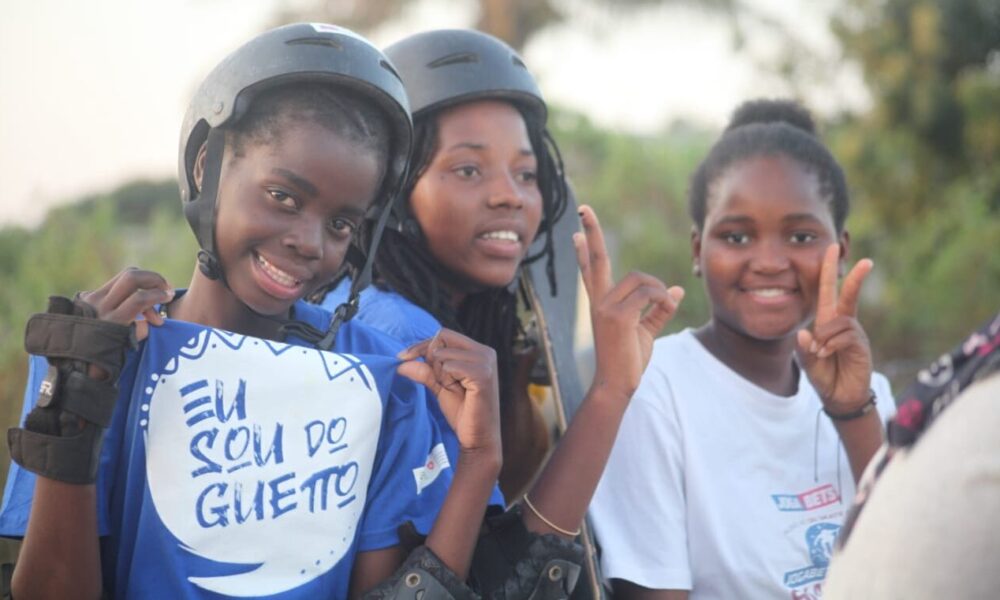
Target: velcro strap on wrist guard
<point>76,393</point>
<point>70,336</point>
<point>422,577</point>
<point>68,459</point>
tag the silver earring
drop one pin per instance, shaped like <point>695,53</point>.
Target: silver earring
<point>696,270</point>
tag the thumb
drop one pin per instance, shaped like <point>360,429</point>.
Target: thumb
<point>419,372</point>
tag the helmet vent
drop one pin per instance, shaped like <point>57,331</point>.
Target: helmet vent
<point>455,59</point>
<point>518,62</point>
<point>316,41</point>
<point>385,65</point>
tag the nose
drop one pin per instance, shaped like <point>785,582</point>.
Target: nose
<point>770,256</point>
<point>505,192</point>
<point>306,237</point>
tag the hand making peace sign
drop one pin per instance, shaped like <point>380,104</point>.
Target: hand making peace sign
<point>835,353</point>
<point>626,317</point>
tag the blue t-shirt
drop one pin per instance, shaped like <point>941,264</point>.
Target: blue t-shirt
<point>395,315</point>
<point>241,467</point>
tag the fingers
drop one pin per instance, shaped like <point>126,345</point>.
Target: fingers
<point>826,302</point>
<point>138,302</point>
<point>660,313</point>
<point>415,351</point>
<point>583,260</point>
<point>850,291</point>
<point>598,264</point>
<point>419,372</point>
<point>632,282</point>
<point>130,280</point>
<point>452,361</point>
<point>835,335</point>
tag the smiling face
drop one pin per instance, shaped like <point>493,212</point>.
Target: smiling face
<point>287,209</point>
<point>760,249</point>
<point>478,202</point>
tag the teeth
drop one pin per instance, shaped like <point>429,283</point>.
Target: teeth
<point>276,273</point>
<point>509,236</point>
<point>769,292</point>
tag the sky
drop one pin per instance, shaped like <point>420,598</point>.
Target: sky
<point>92,93</point>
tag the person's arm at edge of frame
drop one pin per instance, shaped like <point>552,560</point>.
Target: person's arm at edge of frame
<point>60,555</point>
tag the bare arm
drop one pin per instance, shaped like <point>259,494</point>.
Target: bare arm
<point>626,317</point>
<point>462,375</point>
<point>836,356</point>
<point>60,556</point>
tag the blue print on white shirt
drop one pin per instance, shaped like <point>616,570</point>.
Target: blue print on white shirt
<point>246,468</point>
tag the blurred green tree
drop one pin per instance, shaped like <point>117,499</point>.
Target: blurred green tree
<point>922,162</point>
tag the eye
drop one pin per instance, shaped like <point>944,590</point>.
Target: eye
<point>342,226</point>
<point>803,237</point>
<point>466,171</point>
<point>283,198</point>
<point>737,238</point>
<point>527,176</point>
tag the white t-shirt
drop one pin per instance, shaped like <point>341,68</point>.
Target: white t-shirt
<point>720,487</point>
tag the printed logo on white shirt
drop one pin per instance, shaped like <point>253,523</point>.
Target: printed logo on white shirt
<point>235,455</point>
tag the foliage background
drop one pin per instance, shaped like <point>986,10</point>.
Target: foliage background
<point>922,163</point>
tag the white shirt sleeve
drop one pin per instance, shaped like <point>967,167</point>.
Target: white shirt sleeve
<point>639,508</point>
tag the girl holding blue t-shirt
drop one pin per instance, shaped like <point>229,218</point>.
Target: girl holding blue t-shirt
<point>286,146</point>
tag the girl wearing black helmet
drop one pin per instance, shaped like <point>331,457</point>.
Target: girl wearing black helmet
<point>485,181</point>
<point>221,456</point>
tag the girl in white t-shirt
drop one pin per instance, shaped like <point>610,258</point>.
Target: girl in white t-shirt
<point>733,468</point>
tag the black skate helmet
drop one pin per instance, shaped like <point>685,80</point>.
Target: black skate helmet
<point>450,66</point>
<point>304,52</point>
<point>446,67</point>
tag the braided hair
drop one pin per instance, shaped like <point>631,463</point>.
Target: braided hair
<point>405,264</point>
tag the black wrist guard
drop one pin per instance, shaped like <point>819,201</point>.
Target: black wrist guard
<point>422,577</point>
<point>62,434</point>
<point>512,562</point>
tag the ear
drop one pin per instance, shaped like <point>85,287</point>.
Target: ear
<point>695,251</point>
<point>199,166</point>
<point>845,251</point>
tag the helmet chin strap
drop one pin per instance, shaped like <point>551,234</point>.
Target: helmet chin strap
<point>202,210</point>
<point>346,311</point>
<point>205,207</point>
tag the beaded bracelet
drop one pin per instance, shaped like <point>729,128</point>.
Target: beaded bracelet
<point>861,411</point>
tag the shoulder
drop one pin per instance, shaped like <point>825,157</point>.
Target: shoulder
<point>397,316</point>
<point>673,356</point>
<point>655,392</point>
<point>387,311</point>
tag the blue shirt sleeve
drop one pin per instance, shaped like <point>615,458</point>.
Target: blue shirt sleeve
<point>20,485</point>
<point>407,484</point>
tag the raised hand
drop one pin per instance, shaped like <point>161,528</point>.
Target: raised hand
<point>626,317</point>
<point>463,375</point>
<point>835,352</point>
<point>127,295</point>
